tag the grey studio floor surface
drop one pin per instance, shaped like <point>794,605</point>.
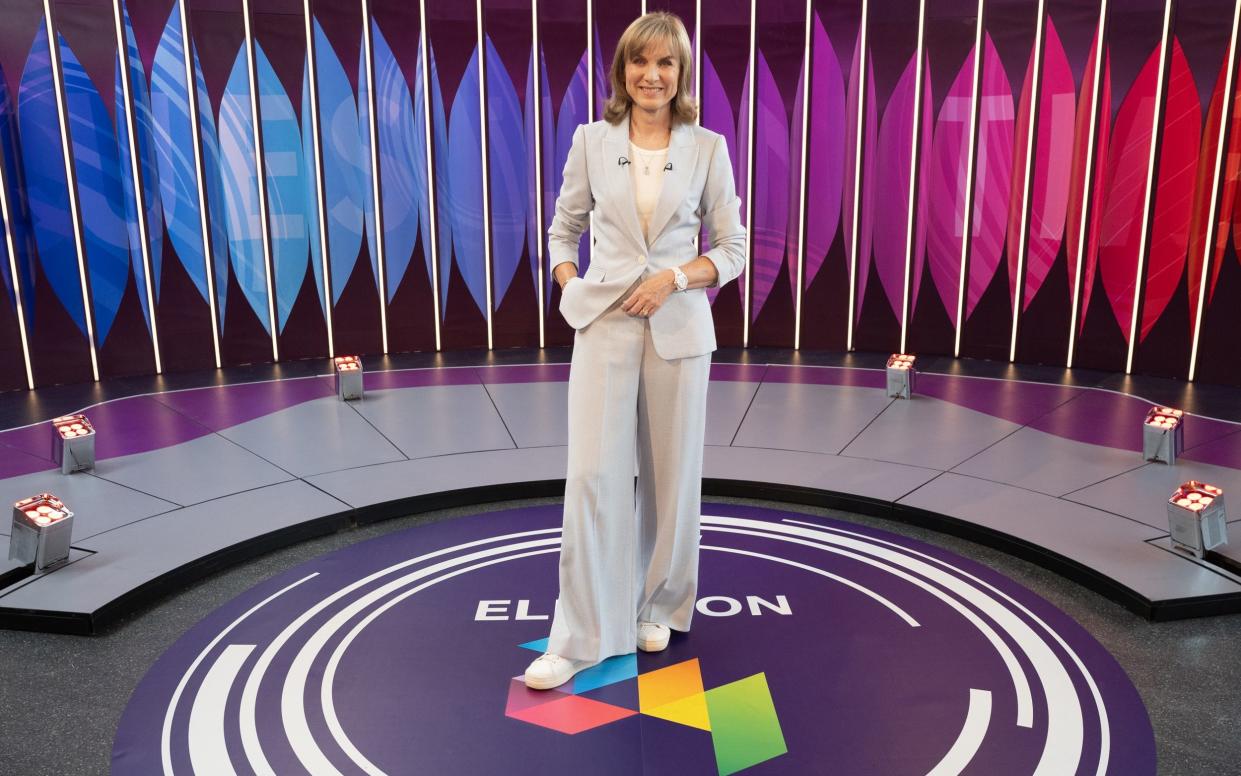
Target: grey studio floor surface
<point>61,697</point>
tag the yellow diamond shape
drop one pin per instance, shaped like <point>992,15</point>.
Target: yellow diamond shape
<point>691,711</point>
<point>672,683</point>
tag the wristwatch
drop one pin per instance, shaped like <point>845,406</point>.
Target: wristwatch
<point>682,282</point>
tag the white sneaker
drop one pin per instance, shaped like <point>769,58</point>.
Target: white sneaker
<point>652,637</point>
<point>549,670</point>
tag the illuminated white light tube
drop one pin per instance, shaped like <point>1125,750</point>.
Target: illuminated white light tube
<point>913,174</point>
<point>1023,238</point>
<point>122,47</point>
<point>590,98</point>
<point>380,247</point>
<point>260,176</point>
<point>75,213</point>
<point>426,120</point>
<point>698,82</point>
<point>857,173</point>
<point>801,187</point>
<point>538,165</point>
<point>316,139</point>
<point>482,135</point>
<point>191,90</point>
<point>14,274</point>
<point>749,185</point>
<point>1086,181</point>
<point>967,219</point>
<point>1212,219</point>
<point>1150,187</point>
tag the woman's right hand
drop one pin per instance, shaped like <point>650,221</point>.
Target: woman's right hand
<point>564,272</point>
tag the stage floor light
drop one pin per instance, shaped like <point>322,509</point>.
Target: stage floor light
<point>41,532</point>
<point>1196,518</point>
<point>901,373</point>
<point>1163,434</point>
<point>73,443</point>
<point>348,377</point>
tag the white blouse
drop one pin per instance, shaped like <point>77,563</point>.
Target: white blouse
<point>648,179</point>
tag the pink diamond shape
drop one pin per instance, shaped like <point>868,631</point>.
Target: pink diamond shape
<point>521,697</point>
<point>571,714</point>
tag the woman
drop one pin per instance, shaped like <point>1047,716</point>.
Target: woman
<point>641,354</point>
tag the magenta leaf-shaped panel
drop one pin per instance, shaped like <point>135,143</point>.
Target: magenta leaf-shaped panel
<point>825,181</point>
<point>894,170</point>
<point>869,133</point>
<point>947,185</point>
<point>993,173</point>
<point>1101,149</point>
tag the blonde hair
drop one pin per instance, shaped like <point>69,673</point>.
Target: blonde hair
<point>661,26</point>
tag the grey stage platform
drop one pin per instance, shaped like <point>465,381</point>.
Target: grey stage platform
<point>189,481</point>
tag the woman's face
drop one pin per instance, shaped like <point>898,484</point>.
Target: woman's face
<point>651,77</point>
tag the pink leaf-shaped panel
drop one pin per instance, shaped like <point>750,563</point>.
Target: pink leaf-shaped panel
<point>1017,194</point>
<point>771,185</point>
<point>825,178</point>
<point>895,168</point>
<point>1174,195</point>
<point>1128,160</point>
<point>993,171</point>
<point>869,134</point>
<point>1052,163</point>
<point>717,116</point>
<point>924,174</point>
<point>1078,174</point>
<point>947,184</point>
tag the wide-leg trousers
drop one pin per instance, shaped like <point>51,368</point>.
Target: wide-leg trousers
<point>629,554</point>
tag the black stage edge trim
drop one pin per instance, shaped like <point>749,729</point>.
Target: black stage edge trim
<point>85,624</point>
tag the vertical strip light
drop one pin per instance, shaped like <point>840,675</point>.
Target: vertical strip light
<point>482,134</point>
<point>13,273</point>
<point>127,89</point>
<point>1150,187</point>
<point>431,204</point>
<point>75,212</point>
<point>1023,238</point>
<point>857,173</point>
<point>380,247</point>
<point>913,174</point>
<point>1087,178</point>
<point>967,217</point>
<point>590,96</point>
<point>316,139</point>
<point>1212,219</point>
<point>191,90</point>
<point>749,185</point>
<point>698,85</point>
<point>260,176</point>
<point>536,61</point>
<point>801,186</point>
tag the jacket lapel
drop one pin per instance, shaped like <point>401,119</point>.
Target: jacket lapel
<point>616,146</point>
<point>682,154</point>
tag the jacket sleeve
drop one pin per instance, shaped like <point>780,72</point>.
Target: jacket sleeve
<point>721,208</point>
<point>573,205</point>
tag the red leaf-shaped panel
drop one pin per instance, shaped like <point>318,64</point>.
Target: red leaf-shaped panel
<point>1017,195</point>
<point>1203,190</point>
<point>1178,162</point>
<point>1128,162</point>
<point>946,186</point>
<point>1101,149</point>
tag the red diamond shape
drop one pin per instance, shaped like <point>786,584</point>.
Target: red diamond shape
<point>521,697</point>
<point>572,714</point>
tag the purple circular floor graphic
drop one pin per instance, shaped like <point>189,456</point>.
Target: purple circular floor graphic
<point>817,646</point>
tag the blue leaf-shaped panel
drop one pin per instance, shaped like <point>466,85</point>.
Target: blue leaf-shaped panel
<point>100,193</point>
<point>19,221</point>
<point>364,155</point>
<point>286,187</point>
<point>346,175</point>
<point>46,184</point>
<point>147,168</point>
<point>572,113</point>
<point>213,183</point>
<point>506,163</point>
<point>443,183</point>
<point>240,189</point>
<point>174,149</point>
<point>402,160</point>
<point>465,197</point>
<point>535,232</point>
<point>311,192</point>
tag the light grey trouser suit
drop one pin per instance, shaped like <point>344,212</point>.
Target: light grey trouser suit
<point>619,564</point>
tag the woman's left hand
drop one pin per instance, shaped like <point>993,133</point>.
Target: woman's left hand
<point>650,295</point>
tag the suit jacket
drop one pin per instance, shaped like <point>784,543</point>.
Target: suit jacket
<point>698,190</point>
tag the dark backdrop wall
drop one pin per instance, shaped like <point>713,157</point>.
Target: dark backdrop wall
<point>194,183</point>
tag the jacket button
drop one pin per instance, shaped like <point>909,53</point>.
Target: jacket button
<point>641,259</point>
